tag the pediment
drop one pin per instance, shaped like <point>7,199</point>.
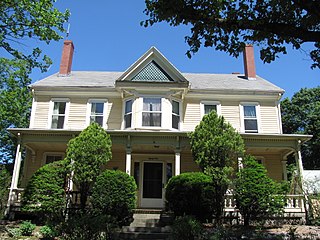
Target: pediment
<point>152,67</point>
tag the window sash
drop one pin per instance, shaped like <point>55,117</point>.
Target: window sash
<point>175,114</point>
<point>151,114</point>
<point>128,114</point>
<point>58,115</point>
<point>96,112</point>
<point>209,107</point>
<point>250,119</point>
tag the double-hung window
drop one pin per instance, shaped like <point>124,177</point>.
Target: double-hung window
<point>250,118</point>
<point>58,116</point>
<point>151,112</point>
<point>128,113</point>
<point>96,109</point>
<point>52,157</point>
<point>175,114</point>
<point>209,106</point>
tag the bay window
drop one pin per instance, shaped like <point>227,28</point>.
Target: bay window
<point>128,113</point>
<point>175,114</point>
<point>151,112</point>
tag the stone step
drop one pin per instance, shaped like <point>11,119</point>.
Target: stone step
<point>143,233</point>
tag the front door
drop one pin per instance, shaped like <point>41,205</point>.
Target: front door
<point>152,185</point>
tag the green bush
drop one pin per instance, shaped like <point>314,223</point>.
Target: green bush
<point>257,196</point>
<point>5,180</point>
<point>48,232</point>
<point>14,232</point>
<point>186,228</point>
<point>114,195</point>
<point>44,194</point>
<point>191,194</point>
<point>27,228</point>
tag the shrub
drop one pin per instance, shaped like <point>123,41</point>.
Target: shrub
<point>114,196</point>
<point>187,228</point>
<point>5,180</point>
<point>48,232</point>
<point>256,194</point>
<point>191,194</point>
<point>14,232</point>
<point>27,228</point>
<point>44,194</point>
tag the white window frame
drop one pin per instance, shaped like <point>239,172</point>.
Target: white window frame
<point>46,154</point>
<point>105,108</point>
<point>257,106</point>
<point>142,111</point>
<point>66,113</point>
<point>33,112</point>
<point>180,113</point>
<point>205,102</point>
<point>124,112</point>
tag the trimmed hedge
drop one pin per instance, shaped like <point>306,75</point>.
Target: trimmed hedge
<point>44,194</point>
<point>191,194</point>
<point>114,196</point>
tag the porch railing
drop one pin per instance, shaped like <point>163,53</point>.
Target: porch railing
<point>294,203</point>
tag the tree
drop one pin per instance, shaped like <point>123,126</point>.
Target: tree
<point>256,194</point>
<point>215,147</point>
<point>21,21</point>
<point>44,194</point>
<point>5,180</point>
<point>301,115</point>
<point>86,154</point>
<point>228,25</point>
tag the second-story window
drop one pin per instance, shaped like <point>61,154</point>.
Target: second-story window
<point>128,113</point>
<point>250,118</point>
<point>58,114</point>
<point>209,106</point>
<point>175,114</point>
<point>151,112</point>
<point>96,111</point>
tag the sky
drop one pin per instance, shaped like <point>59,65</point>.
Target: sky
<point>108,37</point>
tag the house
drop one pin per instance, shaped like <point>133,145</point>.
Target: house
<point>148,110</point>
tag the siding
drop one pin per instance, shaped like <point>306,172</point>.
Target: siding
<point>77,113</point>
<point>231,112</point>
<point>114,113</point>
<point>187,163</point>
<point>269,118</point>
<point>192,116</point>
<point>118,161</point>
<point>41,112</point>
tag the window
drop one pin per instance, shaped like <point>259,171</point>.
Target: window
<point>175,114</point>
<point>151,112</point>
<point>128,114</point>
<point>96,111</point>
<point>208,106</point>
<point>59,113</point>
<point>52,157</point>
<point>250,118</point>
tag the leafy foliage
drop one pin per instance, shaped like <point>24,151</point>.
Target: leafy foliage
<point>5,180</point>
<point>20,20</point>
<point>301,115</point>
<point>187,228</point>
<point>86,154</point>
<point>215,146</point>
<point>27,228</point>
<point>256,194</point>
<point>15,103</point>
<point>48,232</point>
<point>228,25</point>
<point>191,194</point>
<point>114,196</point>
<point>44,195</point>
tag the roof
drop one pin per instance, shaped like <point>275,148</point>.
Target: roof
<point>198,81</point>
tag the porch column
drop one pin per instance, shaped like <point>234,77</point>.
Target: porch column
<point>298,158</point>
<point>128,161</point>
<point>15,175</point>
<point>240,164</point>
<point>284,170</point>
<point>177,162</point>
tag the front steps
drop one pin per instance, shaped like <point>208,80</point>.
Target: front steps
<point>147,224</point>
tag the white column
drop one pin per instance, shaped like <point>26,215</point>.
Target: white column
<point>284,170</point>
<point>15,175</point>
<point>299,159</point>
<point>240,164</point>
<point>128,161</point>
<point>177,162</point>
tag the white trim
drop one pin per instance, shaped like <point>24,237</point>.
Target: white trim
<point>179,101</point>
<point>209,102</point>
<point>279,117</point>
<point>105,109</point>
<point>258,116</point>
<point>33,112</point>
<point>66,113</point>
<point>46,154</point>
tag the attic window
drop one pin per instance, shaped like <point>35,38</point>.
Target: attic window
<point>152,72</point>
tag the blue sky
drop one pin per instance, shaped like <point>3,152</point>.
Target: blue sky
<point>108,37</point>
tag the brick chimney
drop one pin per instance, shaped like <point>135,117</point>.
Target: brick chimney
<point>66,59</point>
<point>249,66</point>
